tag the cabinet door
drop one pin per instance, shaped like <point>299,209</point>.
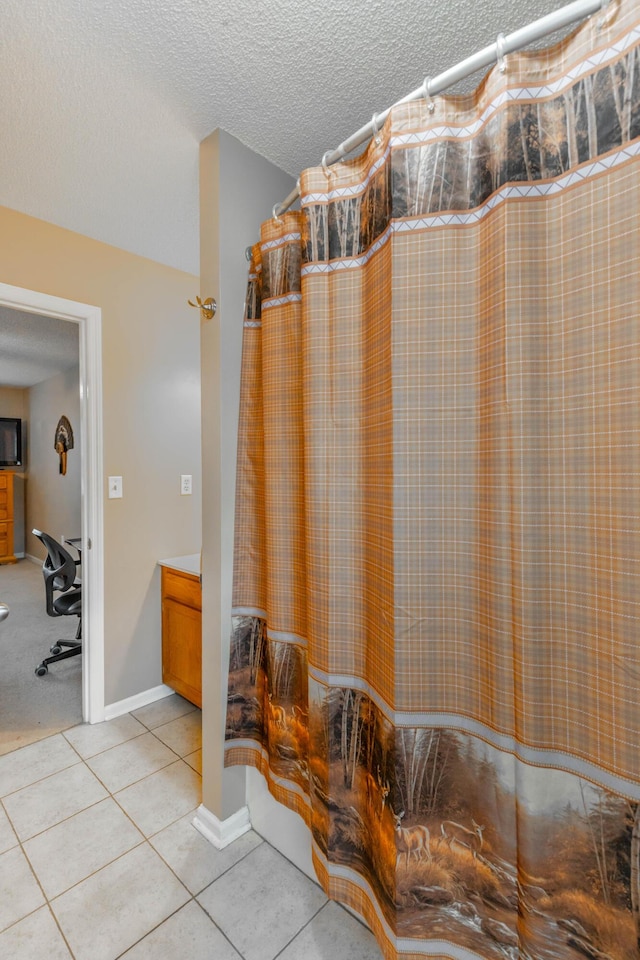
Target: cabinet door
<point>183,587</point>
<point>182,649</point>
<point>4,540</point>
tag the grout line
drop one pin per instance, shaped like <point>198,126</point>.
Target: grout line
<point>73,747</point>
<point>110,795</point>
<point>46,904</point>
<point>93,873</point>
<point>40,905</point>
<point>10,822</point>
<point>157,832</point>
<point>105,749</point>
<point>303,927</point>
<point>219,929</point>
<point>46,776</point>
<point>164,722</point>
<point>59,822</point>
<point>166,745</point>
<point>140,939</point>
<point>62,934</point>
<point>26,786</point>
<point>147,840</point>
<point>158,925</point>
<point>50,900</point>
<point>133,782</point>
<point>295,865</point>
<point>225,872</point>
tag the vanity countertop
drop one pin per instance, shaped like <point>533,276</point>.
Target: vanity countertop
<point>187,564</point>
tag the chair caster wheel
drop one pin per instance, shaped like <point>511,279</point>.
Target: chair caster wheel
<point>41,669</point>
<point>55,649</point>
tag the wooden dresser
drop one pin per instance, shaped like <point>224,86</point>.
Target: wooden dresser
<point>6,518</point>
<point>182,632</point>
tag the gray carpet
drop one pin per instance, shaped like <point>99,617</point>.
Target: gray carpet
<point>32,707</point>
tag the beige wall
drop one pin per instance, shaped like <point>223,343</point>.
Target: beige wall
<point>238,189</point>
<point>14,402</point>
<point>151,408</point>
<point>53,499</point>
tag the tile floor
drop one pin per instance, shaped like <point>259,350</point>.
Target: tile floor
<point>99,858</point>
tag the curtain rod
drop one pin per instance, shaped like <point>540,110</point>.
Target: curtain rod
<point>484,58</point>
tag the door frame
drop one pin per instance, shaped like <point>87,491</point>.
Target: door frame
<point>89,320</point>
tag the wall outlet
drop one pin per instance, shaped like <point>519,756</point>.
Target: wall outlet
<point>186,484</point>
<point>115,488</point>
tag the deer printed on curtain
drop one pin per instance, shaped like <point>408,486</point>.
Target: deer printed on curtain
<point>402,804</point>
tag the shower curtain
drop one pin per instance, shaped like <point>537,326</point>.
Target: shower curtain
<point>435,656</point>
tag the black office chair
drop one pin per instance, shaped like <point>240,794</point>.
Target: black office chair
<point>59,572</point>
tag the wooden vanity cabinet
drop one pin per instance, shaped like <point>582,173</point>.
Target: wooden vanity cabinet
<point>182,633</point>
<point>6,518</point>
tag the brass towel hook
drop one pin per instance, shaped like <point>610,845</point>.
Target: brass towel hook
<point>208,307</point>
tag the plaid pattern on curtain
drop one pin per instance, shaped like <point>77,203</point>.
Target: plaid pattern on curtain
<point>435,655</point>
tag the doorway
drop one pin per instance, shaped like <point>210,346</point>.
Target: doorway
<point>89,320</point>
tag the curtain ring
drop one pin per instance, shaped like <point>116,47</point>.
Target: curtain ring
<point>431,104</point>
<point>274,214</point>
<point>376,132</point>
<point>325,166</point>
<point>500,45</point>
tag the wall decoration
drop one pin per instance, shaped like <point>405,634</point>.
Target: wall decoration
<point>63,442</point>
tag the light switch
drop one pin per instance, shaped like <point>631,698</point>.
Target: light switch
<point>185,484</point>
<point>115,488</point>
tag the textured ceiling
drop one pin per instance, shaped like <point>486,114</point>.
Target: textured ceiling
<point>34,348</point>
<point>103,102</point>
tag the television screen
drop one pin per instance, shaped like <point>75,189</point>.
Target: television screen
<point>10,442</point>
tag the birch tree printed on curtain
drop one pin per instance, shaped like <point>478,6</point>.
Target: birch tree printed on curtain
<point>435,653</point>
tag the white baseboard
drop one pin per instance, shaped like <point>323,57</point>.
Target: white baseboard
<point>138,700</point>
<point>30,556</point>
<point>19,555</point>
<point>221,833</point>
